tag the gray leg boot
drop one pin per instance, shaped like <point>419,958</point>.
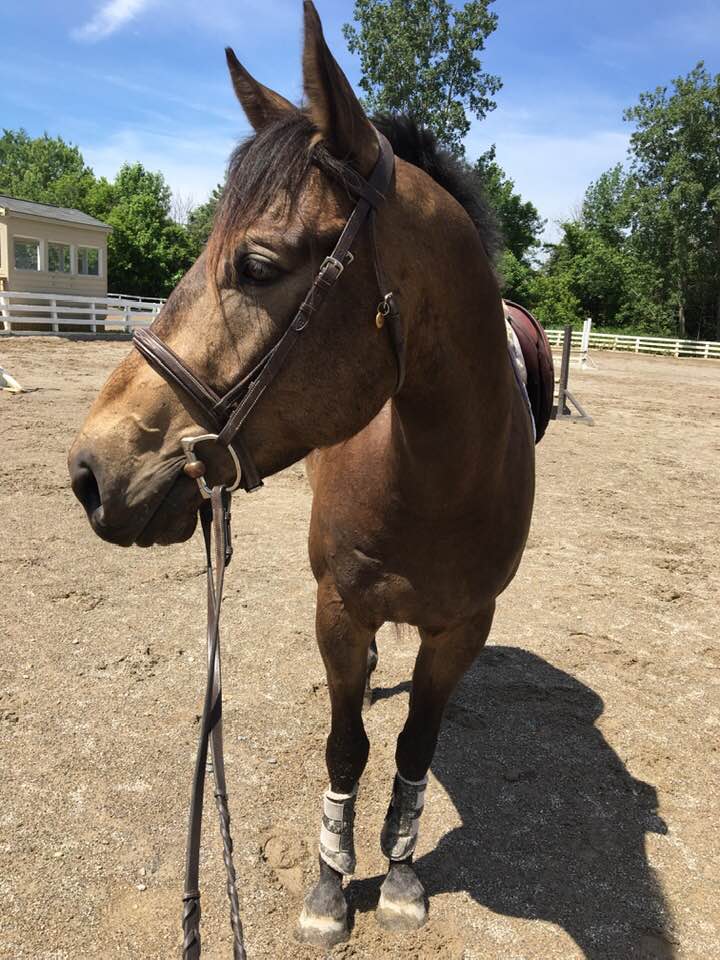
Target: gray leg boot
<point>402,905</point>
<point>323,921</point>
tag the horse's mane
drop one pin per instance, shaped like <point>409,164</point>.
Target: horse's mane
<point>418,145</point>
<point>270,167</point>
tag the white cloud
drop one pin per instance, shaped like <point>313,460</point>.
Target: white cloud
<point>110,17</point>
<point>192,164</point>
<point>551,170</point>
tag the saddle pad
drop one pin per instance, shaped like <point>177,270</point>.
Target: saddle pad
<point>539,366</point>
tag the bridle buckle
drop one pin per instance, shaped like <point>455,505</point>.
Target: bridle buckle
<point>188,445</point>
<point>332,263</point>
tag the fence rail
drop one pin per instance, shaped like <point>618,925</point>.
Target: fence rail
<point>27,313</point>
<point>669,346</point>
<point>49,313</point>
<point>134,299</point>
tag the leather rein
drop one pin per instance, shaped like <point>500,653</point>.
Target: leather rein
<point>226,416</point>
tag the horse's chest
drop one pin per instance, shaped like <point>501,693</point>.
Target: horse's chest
<point>424,577</point>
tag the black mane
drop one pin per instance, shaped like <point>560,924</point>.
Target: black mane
<point>417,145</point>
<point>274,163</point>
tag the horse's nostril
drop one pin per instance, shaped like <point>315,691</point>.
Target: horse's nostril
<point>85,486</point>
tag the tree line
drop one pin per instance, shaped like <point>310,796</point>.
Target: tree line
<point>642,253</point>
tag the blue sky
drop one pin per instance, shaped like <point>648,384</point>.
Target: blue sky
<point>145,79</point>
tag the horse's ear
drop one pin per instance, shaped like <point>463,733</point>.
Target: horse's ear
<point>334,108</point>
<point>261,105</point>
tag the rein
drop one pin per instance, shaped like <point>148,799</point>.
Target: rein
<point>227,415</point>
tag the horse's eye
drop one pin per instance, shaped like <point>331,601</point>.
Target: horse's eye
<point>254,269</point>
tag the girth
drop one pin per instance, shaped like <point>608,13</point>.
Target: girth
<point>228,413</point>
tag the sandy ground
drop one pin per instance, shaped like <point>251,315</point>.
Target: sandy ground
<point>573,807</point>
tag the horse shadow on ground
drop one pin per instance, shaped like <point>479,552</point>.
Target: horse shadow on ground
<point>553,824</point>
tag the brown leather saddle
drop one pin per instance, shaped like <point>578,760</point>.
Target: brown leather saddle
<point>538,363</point>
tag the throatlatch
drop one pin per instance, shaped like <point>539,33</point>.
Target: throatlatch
<point>402,823</point>
<point>337,846</point>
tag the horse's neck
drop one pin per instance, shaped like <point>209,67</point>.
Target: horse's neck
<point>450,422</point>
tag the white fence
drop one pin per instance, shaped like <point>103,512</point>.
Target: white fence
<point>705,349</point>
<point>50,313</point>
<point>131,296</point>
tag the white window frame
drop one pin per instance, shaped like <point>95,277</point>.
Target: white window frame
<point>89,246</point>
<point>60,243</point>
<point>40,256</point>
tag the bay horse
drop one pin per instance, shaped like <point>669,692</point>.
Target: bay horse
<point>419,442</point>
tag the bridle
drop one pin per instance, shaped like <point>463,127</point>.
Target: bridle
<point>226,416</point>
<point>228,413</point>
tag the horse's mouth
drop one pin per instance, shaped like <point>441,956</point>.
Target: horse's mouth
<point>164,515</point>
<point>175,517</point>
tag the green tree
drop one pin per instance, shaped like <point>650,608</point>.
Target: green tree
<point>518,280</point>
<point>420,57</point>
<point>675,164</point>
<point>44,169</point>
<point>644,251</point>
<point>592,272</point>
<point>607,206</point>
<point>147,252</point>
<point>200,221</point>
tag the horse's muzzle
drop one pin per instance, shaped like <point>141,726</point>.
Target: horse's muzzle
<point>85,483</point>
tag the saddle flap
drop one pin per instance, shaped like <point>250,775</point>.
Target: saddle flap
<point>538,363</point>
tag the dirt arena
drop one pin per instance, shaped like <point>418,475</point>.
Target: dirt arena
<point>574,800</point>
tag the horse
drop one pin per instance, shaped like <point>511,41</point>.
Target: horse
<point>418,436</point>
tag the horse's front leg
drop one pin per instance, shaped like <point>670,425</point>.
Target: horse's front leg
<point>441,661</point>
<point>344,645</point>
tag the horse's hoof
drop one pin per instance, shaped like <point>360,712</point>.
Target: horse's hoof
<point>401,916</point>
<point>323,920</point>
<point>402,906</point>
<point>321,931</point>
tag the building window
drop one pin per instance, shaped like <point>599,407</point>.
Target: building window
<point>27,254</point>
<point>88,261</point>
<point>58,258</point>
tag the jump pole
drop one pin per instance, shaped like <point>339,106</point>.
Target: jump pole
<point>562,410</point>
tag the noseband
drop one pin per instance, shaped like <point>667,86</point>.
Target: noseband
<point>226,416</point>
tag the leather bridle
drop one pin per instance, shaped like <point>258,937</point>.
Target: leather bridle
<point>226,416</point>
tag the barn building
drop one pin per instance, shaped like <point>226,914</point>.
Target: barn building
<point>51,250</point>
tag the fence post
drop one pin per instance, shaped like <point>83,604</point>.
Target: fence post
<point>677,348</point>
<point>564,370</point>
<point>93,317</point>
<point>637,344</point>
<point>707,349</point>
<point>53,315</point>
<point>126,317</point>
<point>585,343</point>
<point>7,325</point>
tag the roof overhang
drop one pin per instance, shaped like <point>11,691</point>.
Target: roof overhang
<point>35,218</point>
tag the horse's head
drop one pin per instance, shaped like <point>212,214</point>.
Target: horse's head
<point>288,197</point>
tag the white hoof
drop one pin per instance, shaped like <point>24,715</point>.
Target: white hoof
<point>400,915</point>
<point>321,931</point>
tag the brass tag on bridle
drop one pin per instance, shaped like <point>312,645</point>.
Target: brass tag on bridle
<point>383,311</point>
